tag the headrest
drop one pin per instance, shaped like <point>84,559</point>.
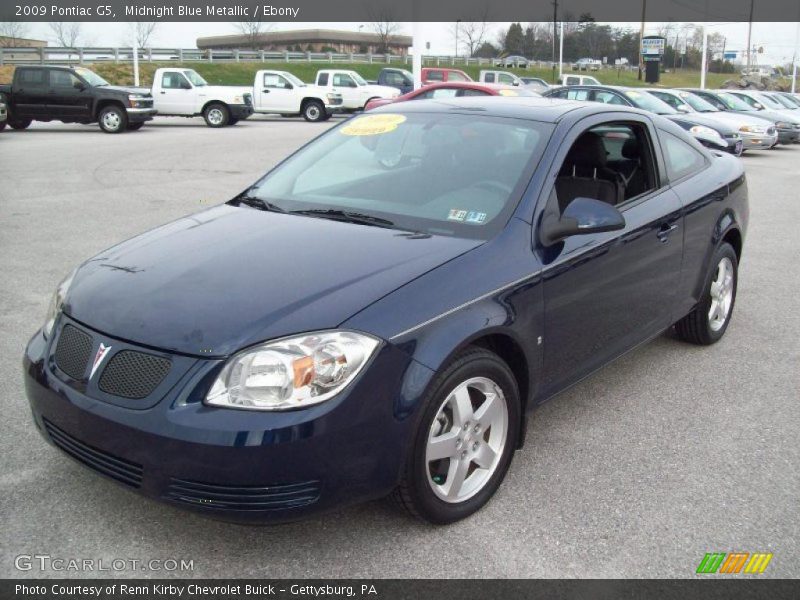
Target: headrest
<point>630,149</point>
<point>587,151</point>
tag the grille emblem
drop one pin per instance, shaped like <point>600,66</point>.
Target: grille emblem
<point>102,352</point>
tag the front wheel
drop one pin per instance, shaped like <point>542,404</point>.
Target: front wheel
<point>313,111</point>
<point>709,320</point>
<point>113,119</point>
<point>216,115</point>
<point>465,441</point>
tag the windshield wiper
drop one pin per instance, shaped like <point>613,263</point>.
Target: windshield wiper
<point>259,203</point>
<point>345,216</point>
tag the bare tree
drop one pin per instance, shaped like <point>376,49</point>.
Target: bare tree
<point>142,32</point>
<point>11,33</point>
<point>66,35</point>
<point>472,34</point>
<point>384,26</point>
<point>253,30</point>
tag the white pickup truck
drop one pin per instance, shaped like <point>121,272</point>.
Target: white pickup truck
<point>504,77</point>
<point>280,92</point>
<point>182,92</point>
<point>354,90</point>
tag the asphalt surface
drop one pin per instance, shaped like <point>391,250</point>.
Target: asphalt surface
<point>671,452</point>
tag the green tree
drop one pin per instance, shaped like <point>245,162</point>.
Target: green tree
<point>515,40</point>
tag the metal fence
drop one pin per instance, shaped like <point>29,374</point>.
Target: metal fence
<point>61,56</point>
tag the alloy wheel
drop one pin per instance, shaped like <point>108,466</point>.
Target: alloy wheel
<point>215,116</point>
<point>721,295</point>
<point>466,440</point>
<point>111,120</point>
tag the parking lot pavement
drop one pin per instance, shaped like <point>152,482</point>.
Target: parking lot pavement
<point>671,452</point>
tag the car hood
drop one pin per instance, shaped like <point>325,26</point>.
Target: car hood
<point>702,119</point>
<point>223,279</point>
<point>128,90</point>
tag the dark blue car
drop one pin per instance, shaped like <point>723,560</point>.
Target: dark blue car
<point>380,312</point>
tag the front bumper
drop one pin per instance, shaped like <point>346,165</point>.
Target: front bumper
<point>237,465</point>
<point>788,136</point>
<point>140,115</point>
<point>755,141</point>
<point>240,111</point>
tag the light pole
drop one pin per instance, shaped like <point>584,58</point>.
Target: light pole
<point>458,26</point>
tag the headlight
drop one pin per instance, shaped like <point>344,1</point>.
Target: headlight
<point>702,130</point>
<point>783,125</point>
<point>334,97</point>
<point>752,129</point>
<point>56,302</point>
<point>293,372</point>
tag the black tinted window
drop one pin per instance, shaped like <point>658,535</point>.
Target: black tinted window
<point>681,158</point>
<point>63,79</point>
<point>32,77</point>
<point>323,79</point>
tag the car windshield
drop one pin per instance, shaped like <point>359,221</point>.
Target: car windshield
<point>435,173</point>
<point>734,103</point>
<point>649,102</point>
<point>359,79</point>
<point>786,103</point>
<point>90,77</point>
<point>196,80</point>
<point>294,80</point>
<point>768,102</point>
<point>697,103</point>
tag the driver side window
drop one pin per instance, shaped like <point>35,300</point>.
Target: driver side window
<point>274,81</point>
<point>343,81</point>
<point>174,81</point>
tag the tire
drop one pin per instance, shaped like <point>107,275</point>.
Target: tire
<point>327,116</point>
<point>426,487</point>
<point>113,119</point>
<point>314,111</point>
<point>709,320</point>
<point>19,124</point>
<point>217,115</point>
<point>135,126</point>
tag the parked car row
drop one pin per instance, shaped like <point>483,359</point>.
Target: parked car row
<point>731,120</point>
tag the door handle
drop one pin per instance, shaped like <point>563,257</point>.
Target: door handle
<point>163,92</point>
<point>265,91</point>
<point>666,229</point>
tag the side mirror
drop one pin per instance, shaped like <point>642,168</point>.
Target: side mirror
<point>288,86</point>
<point>683,108</point>
<point>185,85</point>
<point>758,105</point>
<point>515,83</point>
<point>582,216</point>
<point>78,85</point>
<point>352,84</point>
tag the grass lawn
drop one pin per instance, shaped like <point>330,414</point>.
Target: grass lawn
<point>244,73</point>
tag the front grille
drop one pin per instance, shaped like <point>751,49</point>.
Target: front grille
<point>133,375</point>
<point>243,498</point>
<point>122,470</point>
<point>73,351</point>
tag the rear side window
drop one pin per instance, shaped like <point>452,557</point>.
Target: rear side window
<point>322,79</point>
<point>573,80</point>
<point>456,76</point>
<point>435,76</point>
<point>608,98</point>
<point>578,95</point>
<point>681,159</point>
<point>489,78</point>
<point>469,92</point>
<point>32,77</point>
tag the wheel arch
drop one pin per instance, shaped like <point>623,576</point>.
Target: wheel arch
<point>101,104</point>
<point>215,101</point>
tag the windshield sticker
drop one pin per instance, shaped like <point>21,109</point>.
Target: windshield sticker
<point>475,217</point>
<point>456,215</point>
<point>508,93</point>
<point>373,125</point>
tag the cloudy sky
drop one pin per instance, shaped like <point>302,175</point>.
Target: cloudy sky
<point>778,39</point>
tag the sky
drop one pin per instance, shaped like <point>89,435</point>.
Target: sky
<point>777,39</point>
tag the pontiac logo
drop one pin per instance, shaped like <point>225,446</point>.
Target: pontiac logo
<point>102,351</point>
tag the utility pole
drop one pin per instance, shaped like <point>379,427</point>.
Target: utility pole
<point>704,59</point>
<point>641,36</point>
<point>555,19</point>
<point>749,32</point>
<point>458,26</point>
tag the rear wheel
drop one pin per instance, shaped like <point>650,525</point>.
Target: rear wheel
<point>216,115</point>
<point>465,441</point>
<point>113,119</point>
<point>313,111</point>
<point>709,320</point>
<point>19,124</point>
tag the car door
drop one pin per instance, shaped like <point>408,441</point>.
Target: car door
<point>346,85</point>
<point>30,93</point>
<point>606,292</point>
<point>276,94</point>
<point>176,96</point>
<point>68,97</point>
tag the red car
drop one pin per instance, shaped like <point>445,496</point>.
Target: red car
<point>453,89</point>
<point>442,75</point>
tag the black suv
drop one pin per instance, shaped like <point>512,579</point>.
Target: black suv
<point>74,95</point>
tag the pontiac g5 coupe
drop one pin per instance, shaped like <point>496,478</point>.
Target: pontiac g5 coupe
<point>378,314</point>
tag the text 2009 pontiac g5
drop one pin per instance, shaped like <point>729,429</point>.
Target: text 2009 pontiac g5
<point>378,314</point>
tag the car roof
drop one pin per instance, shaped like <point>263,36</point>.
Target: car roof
<point>531,108</point>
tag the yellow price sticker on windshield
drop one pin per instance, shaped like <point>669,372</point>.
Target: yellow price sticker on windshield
<point>373,125</point>
<point>508,93</point>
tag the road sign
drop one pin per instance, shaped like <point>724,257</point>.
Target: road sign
<point>653,45</point>
<point>730,55</point>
